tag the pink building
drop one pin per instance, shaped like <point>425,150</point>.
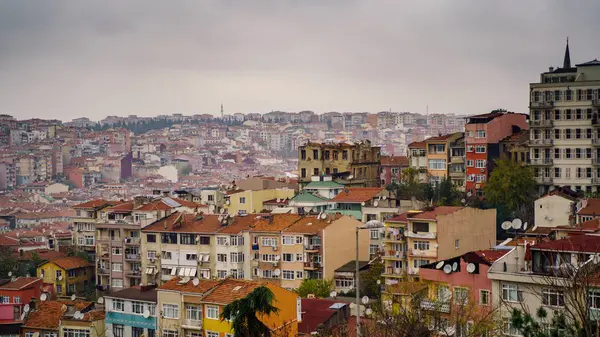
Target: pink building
<point>14,294</point>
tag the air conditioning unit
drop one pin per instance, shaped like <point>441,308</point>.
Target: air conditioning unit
<point>482,170</point>
<point>275,248</point>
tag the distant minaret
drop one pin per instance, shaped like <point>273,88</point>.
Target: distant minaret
<point>567,61</point>
<point>222,111</point>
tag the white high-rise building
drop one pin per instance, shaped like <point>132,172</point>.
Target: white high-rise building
<point>565,126</point>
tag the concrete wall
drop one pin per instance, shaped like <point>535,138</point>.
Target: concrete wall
<point>474,228</point>
<point>339,245</point>
<point>552,211</point>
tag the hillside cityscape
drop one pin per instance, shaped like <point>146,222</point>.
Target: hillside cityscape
<point>308,223</point>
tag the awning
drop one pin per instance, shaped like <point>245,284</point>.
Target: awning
<point>150,271</point>
<point>174,271</point>
<point>206,257</point>
<point>182,271</point>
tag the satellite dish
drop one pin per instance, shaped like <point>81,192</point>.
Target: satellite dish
<point>384,197</point>
<point>365,299</point>
<point>26,308</point>
<point>9,273</point>
<point>63,308</point>
<point>333,294</point>
<point>352,305</point>
<point>323,216</point>
<point>362,203</point>
<point>195,282</point>
<point>471,268</point>
<point>100,300</point>
<point>23,316</point>
<point>43,297</point>
<point>525,226</point>
<point>447,269</point>
<point>369,311</point>
<point>36,334</point>
<point>439,265</point>
<point>463,200</point>
<point>506,225</point>
<point>350,177</point>
<point>516,223</point>
<point>73,297</point>
<point>146,313</point>
<point>469,194</point>
<point>277,272</point>
<point>185,279</point>
<point>378,281</point>
<point>60,278</point>
<point>77,315</point>
<point>375,203</point>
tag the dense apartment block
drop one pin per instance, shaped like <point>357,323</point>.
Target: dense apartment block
<point>417,159</point>
<point>564,121</point>
<point>417,238</point>
<point>84,225</point>
<point>67,276</point>
<point>391,169</point>
<point>438,156</point>
<point>131,312</point>
<point>351,164</point>
<point>193,307</point>
<point>483,134</point>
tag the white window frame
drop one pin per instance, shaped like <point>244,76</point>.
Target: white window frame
<point>170,310</point>
<point>212,312</point>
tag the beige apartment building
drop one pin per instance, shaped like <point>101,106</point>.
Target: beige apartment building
<point>84,225</point>
<point>438,156</point>
<point>565,126</point>
<point>416,238</point>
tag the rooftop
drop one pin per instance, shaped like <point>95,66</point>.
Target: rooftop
<point>357,194</point>
<point>230,290</point>
<point>315,312</point>
<point>350,267</point>
<point>576,243</point>
<point>592,207</point>
<point>186,223</point>
<point>20,283</point>
<point>324,184</point>
<point>136,293</point>
<point>94,204</point>
<point>394,161</point>
<point>274,222</point>
<point>189,287</point>
<point>311,224</point>
<point>437,211</point>
<point>70,262</point>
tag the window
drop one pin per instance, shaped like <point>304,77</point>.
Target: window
<point>169,333</point>
<point>557,172</point>
<point>303,173</point>
<point>151,238</point>
<point>553,298</point>
<point>221,240</point>
<point>169,238</point>
<point>421,227</point>
<point>212,312</point>
<point>421,245</point>
<point>222,257</point>
<point>299,257</point>
<point>67,332</point>
<point>59,289</point>
<point>374,234</point>
<point>170,311</point>
<point>137,307</point>
<point>288,274</point>
<point>484,297</point>
<point>267,273</point>
<point>288,240</point>
<point>510,293</point>
<point>373,249</point>
<point>456,244</point>
<point>236,240</point>
<point>480,134</point>
<point>117,251</point>
<point>315,154</point>
<point>269,241</point>
<point>187,239</point>
<point>299,274</point>
<point>136,332</point>
<point>4,299</point>
<point>117,282</point>
<point>344,283</point>
<point>151,254</point>
<point>437,164</point>
<point>480,163</point>
<point>221,274</point>
<point>205,240</point>
<point>117,267</point>
<point>212,334</point>
<point>236,257</point>
<point>118,305</point>
<point>71,288</point>
<point>480,149</point>
<point>16,299</point>
<point>118,330</point>
<point>419,263</point>
<point>443,293</point>
<point>193,312</point>
<point>242,200</point>
<point>166,255</point>
<point>470,163</point>
<point>287,257</point>
<point>461,295</point>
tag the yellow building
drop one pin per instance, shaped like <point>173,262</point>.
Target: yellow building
<point>438,155</point>
<point>247,201</point>
<point>416,238</point>
<point>69,275</point>
<point>352,164</point>
<point>187,308</point>
<point>90,324</point>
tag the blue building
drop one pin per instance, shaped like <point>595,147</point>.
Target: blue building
<point>131,312</point>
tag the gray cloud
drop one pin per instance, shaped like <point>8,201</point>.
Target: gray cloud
<point>75,58</point>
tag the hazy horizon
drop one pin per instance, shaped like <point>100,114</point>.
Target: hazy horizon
<point>68,59</point>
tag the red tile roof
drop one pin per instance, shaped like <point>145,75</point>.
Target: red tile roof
<point>126,206</point>
<point>46,317</point>
<point>230,290</point>
<point>8,241</point>
<point>491,255</point>
<point>357,194</point>
<point>394,161</point>
<point>439,138</point>
<point>189,287</point>
<point>592,208</point>
<point>20,283</point>
<point>576,243</point>
<point>71,262</point>
<point>586,226</point>
<point>417,145</point>
<point>315,311</point>
<point>92,204</point>
<point>189,204</point>
<point>186,223</point>
<point>44,254</point>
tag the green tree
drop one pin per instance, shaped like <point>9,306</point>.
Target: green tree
<point>8,263</point>
<point>317,287</point>
<point>244,313</point>
<point>540,326</point>
<point>368,280</point>
<point>512,187</point>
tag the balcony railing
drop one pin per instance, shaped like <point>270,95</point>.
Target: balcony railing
<point>543,180</point>
<point>542,161</point>
<point>134,273</point>
<point>132,241</point>
<point>392,237</point>
<point>433,305</point>
<point>541,142</point>
<point>420,235</point>
<point>312,265</point>
<point>543,123</point>
<point>132,257</point>
<point>542,104</point>
<point>103,271</point>
<point>314,247</point>
<point>596,102</point>
<point>192,324</point>
<point>423,253</point>
<point>457,159</point>
<point>394,254</point>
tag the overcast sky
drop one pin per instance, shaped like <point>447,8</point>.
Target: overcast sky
<point>67,59</point>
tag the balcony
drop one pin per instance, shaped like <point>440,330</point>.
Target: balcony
<point>134,273</point>
<point>128,220</point>
<point>394,255</point>
<point>423,253</point>
<point>132,257</point>
<point>103,271</point>
<point>392,272</point>
<point>542,161</point>
<point>541,123</point>
<point>421,235</point>
<point>312,265</point>
<point>542,105</point>
<point>432,305</point>
<point>312,248</point>
<point>130,241</point>
<point>596,103</point>
<point>596,141</point>
<point>544,180</point>
<point>457,174</point>
<point>457,160</point>
<point>541,142</point>
<point>194,324</point>
<point>389,237</point>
